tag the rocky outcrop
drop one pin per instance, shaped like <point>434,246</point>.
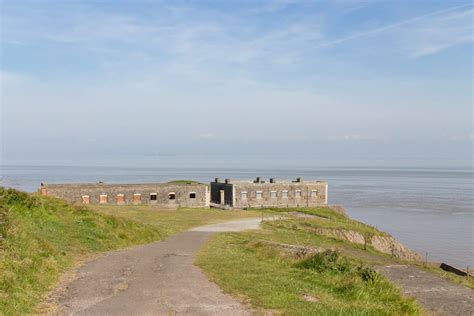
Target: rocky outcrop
<point>386,243</point>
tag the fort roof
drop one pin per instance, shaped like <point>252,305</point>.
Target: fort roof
<point>104,185</point>
<point>260,181</point>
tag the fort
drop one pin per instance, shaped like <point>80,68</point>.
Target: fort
<point>228,194</point>
<point>258,193</point>
<point>172,194</point>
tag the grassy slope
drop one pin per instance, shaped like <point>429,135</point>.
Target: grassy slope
<point>271,280</point>
<point>330,219</point>
<point>42,237</point>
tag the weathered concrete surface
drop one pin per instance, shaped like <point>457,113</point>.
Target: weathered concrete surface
<point>155,279</point>
<point>437,295</point>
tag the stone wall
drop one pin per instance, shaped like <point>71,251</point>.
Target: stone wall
<point>166,194</point>
<point>270,194</point>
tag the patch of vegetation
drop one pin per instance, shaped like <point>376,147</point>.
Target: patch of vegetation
<point>327,261</point>
<point>326,217</point>
<point>182,182</point>
<point>337,281</point>
<point>331,261</point>
<point>171,221</point>
<point>324,212</point>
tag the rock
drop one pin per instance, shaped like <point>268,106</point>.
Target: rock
<point>386,244</point>
<point>311,298</point>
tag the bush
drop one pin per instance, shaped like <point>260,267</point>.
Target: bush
<point>327,261</point>
<point>14,197</point>
<point>332,261</point>
<point>367,274</point>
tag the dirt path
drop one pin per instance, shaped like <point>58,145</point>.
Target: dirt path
<point>437,295</point>
<point>155,279</point>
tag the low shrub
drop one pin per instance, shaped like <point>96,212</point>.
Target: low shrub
<point>14,197</point>
<point>368,274</point>
<point>327,261</point>
<point>332,261</point>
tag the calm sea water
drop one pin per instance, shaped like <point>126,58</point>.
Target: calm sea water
<point>430,210</point>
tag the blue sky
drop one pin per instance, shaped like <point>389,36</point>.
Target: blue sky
<point>345,82</point>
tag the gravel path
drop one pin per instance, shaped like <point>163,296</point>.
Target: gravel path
<point>154,279</point>
<point>437,295</point>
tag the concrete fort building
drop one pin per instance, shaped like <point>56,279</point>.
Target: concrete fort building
<point>172,194</point>
<point>258,193</point>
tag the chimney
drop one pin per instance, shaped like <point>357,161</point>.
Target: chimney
<point>272,180</point>
<point>257,180</point>
<point>298,179</point>
<point>228,181</point>
<point>216,180</point>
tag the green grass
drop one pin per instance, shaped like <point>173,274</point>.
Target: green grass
<point>42,237</point>
<point>183,181</point>
<point>324,212</point>
<point>251,266</point>
<point>170,221</point>
<point>327,218</point>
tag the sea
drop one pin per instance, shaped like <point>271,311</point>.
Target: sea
<point>428,209</point>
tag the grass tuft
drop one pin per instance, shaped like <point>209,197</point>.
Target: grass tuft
<point>327,261</point>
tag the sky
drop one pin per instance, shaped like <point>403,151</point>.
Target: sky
<point>265,82</point>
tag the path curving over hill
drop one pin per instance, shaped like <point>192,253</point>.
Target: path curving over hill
<point>154,279</point>
<point>161,279</point>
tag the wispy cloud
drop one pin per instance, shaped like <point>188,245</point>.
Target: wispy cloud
<point>439,33</point>
<point>172,34</point>
<point>440,29</point>
<point>353,138</point>
<point>207,136</point>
